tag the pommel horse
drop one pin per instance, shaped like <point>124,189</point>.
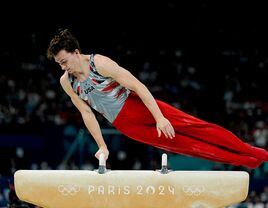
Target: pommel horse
<point>103,188</point>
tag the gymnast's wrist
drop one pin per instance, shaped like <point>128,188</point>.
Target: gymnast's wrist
<point>159,118</point>
<point>103,146</point>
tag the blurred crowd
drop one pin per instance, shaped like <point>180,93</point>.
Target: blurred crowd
<point>232,94</point>
<point>221,82</point>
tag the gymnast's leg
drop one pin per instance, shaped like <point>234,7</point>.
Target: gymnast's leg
<point>140,126</point>
<point>209,132</point>
<point>187,145</point>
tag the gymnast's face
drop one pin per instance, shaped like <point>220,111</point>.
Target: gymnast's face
<point>68,61</point>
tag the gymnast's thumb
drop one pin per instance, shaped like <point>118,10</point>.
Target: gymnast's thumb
<point>159,131</point>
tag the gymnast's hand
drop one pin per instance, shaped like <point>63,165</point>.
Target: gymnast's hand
<point>102,150</point>
<point>163,125</point>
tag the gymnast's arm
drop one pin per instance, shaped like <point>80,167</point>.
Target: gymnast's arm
<point>109,68</point>
<point>87,115</point>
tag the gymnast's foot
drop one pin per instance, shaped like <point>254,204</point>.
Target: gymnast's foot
<point>250,162</point>
<point>259,153</point>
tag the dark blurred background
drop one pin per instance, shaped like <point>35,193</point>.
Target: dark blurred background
<point>208,58</point>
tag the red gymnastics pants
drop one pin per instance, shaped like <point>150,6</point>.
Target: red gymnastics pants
<point>194,137</point>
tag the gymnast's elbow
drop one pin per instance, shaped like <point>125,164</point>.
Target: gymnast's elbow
<point>86,111</point>
<point>83,108</point>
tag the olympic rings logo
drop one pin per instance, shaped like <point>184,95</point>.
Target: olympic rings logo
<point>193,190</point>
<point>68,190</point>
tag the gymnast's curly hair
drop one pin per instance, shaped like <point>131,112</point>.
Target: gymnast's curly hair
<point>63,40</point>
